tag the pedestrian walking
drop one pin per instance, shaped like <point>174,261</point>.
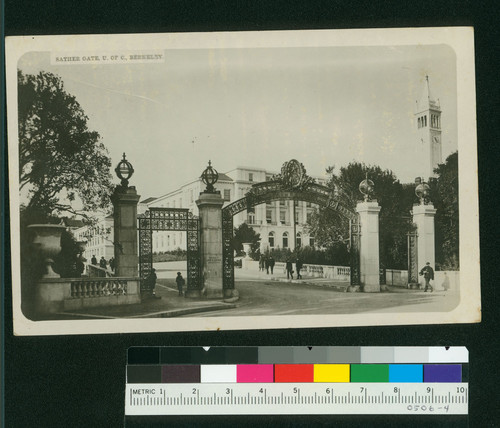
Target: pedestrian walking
<point>298,266</point>
<point>103,263</point>
<point>289,269</point>
<point>266,263</point>
<point>180,283</point>
<point>271,262</point>
<point>428,274</point>
<point>261,263</point>
<point>80,266</point>
<point>112,264</point>
<point>150,283</point>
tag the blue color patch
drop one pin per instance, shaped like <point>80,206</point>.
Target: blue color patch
<point>406,373</point>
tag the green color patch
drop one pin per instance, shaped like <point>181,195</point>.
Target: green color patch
<point>369,372</point>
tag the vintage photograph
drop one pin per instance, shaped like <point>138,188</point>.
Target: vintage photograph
<point>176,182</point>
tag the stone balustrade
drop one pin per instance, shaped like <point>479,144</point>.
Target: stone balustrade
<point>336,273</point>
<point>56,295</point>
<point>90,288</point>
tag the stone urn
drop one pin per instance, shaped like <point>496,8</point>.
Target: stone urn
<point>47,240</point>
<point>81,246</point>
<point>247,249</point>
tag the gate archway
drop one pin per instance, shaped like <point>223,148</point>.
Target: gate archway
<point>291,184</point>
<point>170,219</point>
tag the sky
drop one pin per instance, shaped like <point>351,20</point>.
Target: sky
<point>260,107</point>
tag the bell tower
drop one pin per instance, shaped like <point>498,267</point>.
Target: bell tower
<point>428,121</point>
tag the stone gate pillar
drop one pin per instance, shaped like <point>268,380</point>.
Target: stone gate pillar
<point>125,199</point>
<point>210,213</point>
<point>125,230</point>
<point>369,245</point>
<point>423,217</point>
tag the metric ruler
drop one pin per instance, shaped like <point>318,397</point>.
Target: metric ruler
<point>300,398</point>
<point>296,380</point>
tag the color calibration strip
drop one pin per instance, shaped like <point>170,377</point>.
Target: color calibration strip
<point>296,380</point>
<point>301,373</point>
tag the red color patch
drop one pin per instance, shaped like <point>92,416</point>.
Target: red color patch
<point>294,373</point>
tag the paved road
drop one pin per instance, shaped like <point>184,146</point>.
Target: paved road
<point>259,297</point>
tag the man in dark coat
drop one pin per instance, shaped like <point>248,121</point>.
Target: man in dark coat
<point>103,263</point>
<point>298,266</point>
<point>271,263</point>
<point>180,283</point>
<point>151,283</point>
<point>289,269</point>
<point>93,260</point>
<point>428,274</point>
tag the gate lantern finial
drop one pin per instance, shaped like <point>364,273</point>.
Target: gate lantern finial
<point>124,170</point>
<point>366,187</point>
<point>422,190</point>
<point>210,176</point>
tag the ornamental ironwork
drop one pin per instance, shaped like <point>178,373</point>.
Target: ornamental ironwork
<point>124,170</point>
<point>422,190</point>
<point>169,219</point>
<point>354,247</point>
<point>210,176</point>
<point>413,256</point>
<point>367,188</point>
<point>292,184</point>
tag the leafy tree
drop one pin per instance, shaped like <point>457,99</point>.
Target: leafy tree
<point>444,196</point>
<point>331,228</point>
<point>245,233</point>
<point>60,158</point>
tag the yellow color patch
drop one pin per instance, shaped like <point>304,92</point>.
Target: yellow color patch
<point>332,372</point>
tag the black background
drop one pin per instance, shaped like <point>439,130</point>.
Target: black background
<point>65,381</point>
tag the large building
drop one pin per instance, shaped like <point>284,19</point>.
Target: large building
<point>428,121</point>
<point>98,238</point>
<point>273,221</point>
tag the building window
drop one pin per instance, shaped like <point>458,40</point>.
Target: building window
<point>298,240</point>
<point>308,216</point>
<point>270,239</point>
<point>282,203</point>
<point>269,216</point>
<point>311,241</point>
<point>285,240</point>
<point>250,176</point>
<point>227,194</point>
<point>425,121</point>
<point>282,216</point>
<point>251,218</point>
<point>297,215</point>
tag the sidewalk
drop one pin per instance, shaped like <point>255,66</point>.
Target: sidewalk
<point>279,276</point>
<point>170,304</point>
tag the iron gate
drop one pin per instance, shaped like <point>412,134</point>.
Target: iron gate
<point>170,219</point>
<point>354,243</point>
<point>412,256</point>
